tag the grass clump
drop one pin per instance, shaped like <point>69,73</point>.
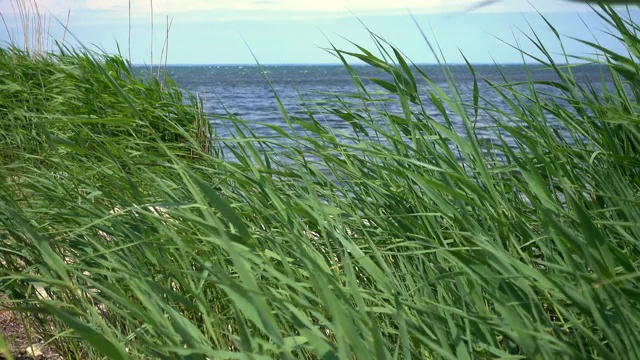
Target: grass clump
<point>403,239</point>
<point>44,94</point>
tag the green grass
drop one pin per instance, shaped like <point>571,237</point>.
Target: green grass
<point>430,247</point>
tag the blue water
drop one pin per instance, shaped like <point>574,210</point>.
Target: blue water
<point>244,92</point>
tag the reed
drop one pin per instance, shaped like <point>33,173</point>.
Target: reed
<point>33,28</point>
<point>435,246</point>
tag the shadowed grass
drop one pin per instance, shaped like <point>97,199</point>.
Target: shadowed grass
<point>402,239</point>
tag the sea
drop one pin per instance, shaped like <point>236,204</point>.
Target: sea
<point>250,93</point>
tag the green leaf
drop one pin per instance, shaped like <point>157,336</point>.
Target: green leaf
<point>221,205</point>
<point>102,343</point>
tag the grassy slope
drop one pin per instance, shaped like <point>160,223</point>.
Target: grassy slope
<point>415,255</point>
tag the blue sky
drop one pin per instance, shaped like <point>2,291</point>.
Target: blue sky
<point>295,31</point>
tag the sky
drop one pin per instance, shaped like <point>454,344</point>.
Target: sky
<point>300,31</point>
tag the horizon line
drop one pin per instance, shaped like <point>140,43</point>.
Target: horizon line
<point>340,64</point>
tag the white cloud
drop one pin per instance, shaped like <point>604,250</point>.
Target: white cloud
<point>325,6</point>
<point>92,11</point>
<point>379,7</point>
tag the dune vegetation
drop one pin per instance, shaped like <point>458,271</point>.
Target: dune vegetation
<point>130,230</point>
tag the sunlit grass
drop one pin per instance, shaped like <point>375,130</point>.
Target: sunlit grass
<point>406,239</point>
